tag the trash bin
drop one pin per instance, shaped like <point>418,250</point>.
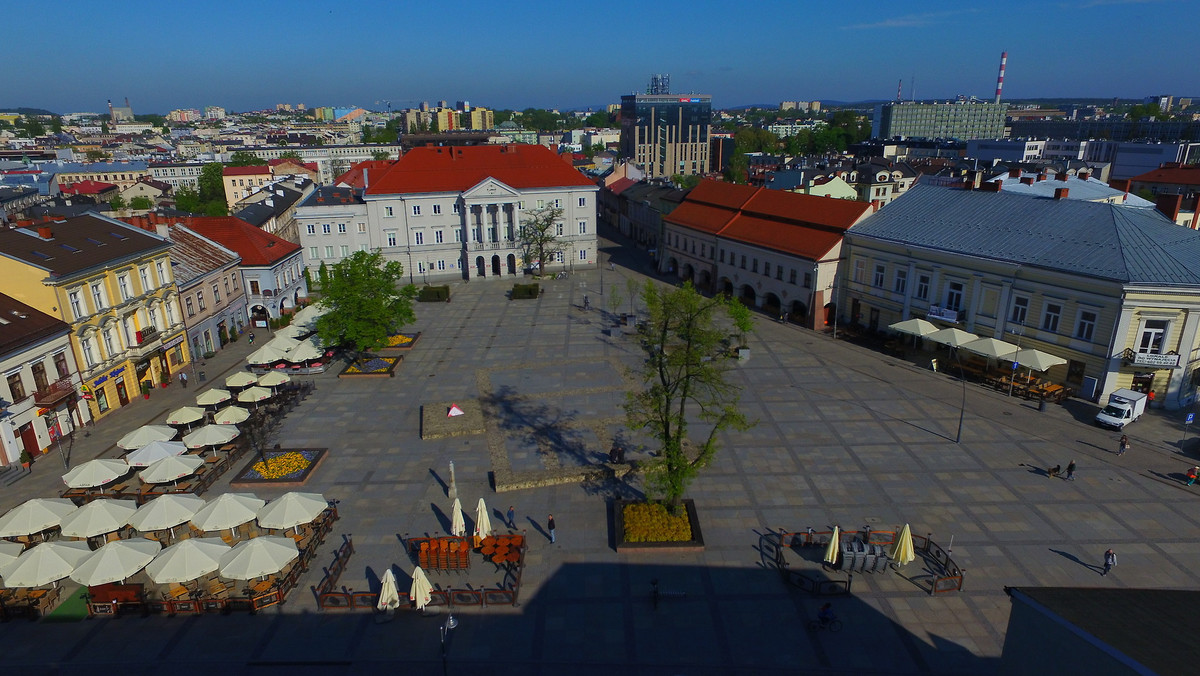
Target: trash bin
<point>203,377</point>
<point>1042,404</point>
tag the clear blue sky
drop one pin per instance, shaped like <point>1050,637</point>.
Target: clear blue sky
<point>71,56</point>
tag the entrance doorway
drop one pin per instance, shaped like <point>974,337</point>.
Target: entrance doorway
<point>29,439</point>
<point>512,264</point>
<point>122,394</point>
<point>480,267</point>
<point>496,266</point>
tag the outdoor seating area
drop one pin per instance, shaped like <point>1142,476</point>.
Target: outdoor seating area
<point>295,348</point>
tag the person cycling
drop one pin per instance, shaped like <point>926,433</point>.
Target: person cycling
<point>825,614</point>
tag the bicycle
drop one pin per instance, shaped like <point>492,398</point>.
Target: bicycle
<point>561,275</point>
<point>833,626</point>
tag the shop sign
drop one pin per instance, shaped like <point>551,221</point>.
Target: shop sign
<point>1162,361</point>
<point>173,342</point>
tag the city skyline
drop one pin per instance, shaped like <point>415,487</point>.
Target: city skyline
<point>542,55</point>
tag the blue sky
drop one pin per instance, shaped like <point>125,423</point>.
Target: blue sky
<point>251,55</point>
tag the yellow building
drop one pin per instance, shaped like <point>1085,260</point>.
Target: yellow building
<point>112,283</point>
<point>240,181</point>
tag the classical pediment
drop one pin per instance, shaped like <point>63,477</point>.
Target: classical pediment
<point>490,188</point>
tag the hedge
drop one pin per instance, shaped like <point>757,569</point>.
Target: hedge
<point>524,291</point>
<point>433,294</point>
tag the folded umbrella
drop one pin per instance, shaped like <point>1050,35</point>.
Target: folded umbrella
<point>421,592</point>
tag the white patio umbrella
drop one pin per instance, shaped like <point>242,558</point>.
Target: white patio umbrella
<point>421,592</point>
<point>211,435</point>
<point>274,379</point>
<point>1036,360</point>
<point>831,551</point>
<point>309,314</point>
<point>155,451</point>
<point>34,516</point>
<point>254,395</point>
<point>115,561</point>
<point>257,557</point>
<point>457,525</point>
<point>144,435</point>
<point>292,509</point>
<point>165,511</point>
<point>292,331</point>
<point>306,351</point>
<point>230,510</point>
<point>991,348</point>
<point>96,473</point>
<point>9,551</point>
<point>282,343</point>
<point>187,560</point>
<point>914,327</point>
<point>231,415</point>
<point>241,379</point>
<point>98,517</point>
<point>267,354</point>
<point>389,596</point>
<point>185,415</point>
<point>902,550</point>
<point>483,522</point>
<point>173,468</point>
<point>952,337</point>
<point>45,563</point>
<point>213,397</point>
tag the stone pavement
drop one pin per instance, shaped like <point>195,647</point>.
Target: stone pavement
<point>845,436</point>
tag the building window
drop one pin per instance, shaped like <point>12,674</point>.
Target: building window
<point>743,266</point>
<point>558,229</point>
<point>216,294</point>
<point>1086,327</point>
<point>98,296</point>
<point>1050,317</point>
<point>387,211</point>
<point>312,229</point>
<point>200,300</point>
<point>162,273</point>
<point>722,256</point>
<point>1020,310</point>
<point>558,204</point>
<point>753,265</point>
<point>457,235</point>
<point>583,254</point>
<point>456,208</point>
<point>441,265</point>
<point>860,271</point>
<point>437,209</point>
<point>328,254</point>
<point>583,227</point>
<point>153,314</point>
<point>89,352</point>
<point>880,271</point>
<point>254,288</point>
<point>314,253</point>
<point>60,364</point>
<point>16,387</point>
<point>170,305</point>
<point>419,237</point>
<point>416,210</point>
<point>226,280</point>
<point>390,236</point>
<point>362,247</point>
<point>923,287</point>
<point>779,272</point>
<point>558,256</point>
<point>1154,333</point>
<point>583,201</point>
<point>39,376</point>
<point>144,274</point>
<point>541,204</point>
<point>954,296</point>
<point>362,228</point>
<point>766,269</point>
<point>325,230</point>
<point>438,236</point>
<point>900,284</point>
<point>345,250</point>
<point>341,228</point>
<point>76,304</point>
<point>110,345</point>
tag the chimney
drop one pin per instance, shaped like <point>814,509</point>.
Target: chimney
<point>1061,176</point>
<point>45,232</point>
<point>366,179</point>
<point>1015,172</point>
<point>1169,205</point>
<point>1084,175</point>
<point>1122,184</point>
<point>992,186</point>
<point>163,230</point>
<point>1061,193</point>
<point>1041,177</point>
<point>1026,180</point>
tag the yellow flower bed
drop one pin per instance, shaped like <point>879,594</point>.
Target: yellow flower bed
<point>282,465</point>
<point>399,340</point>
<point>651,522</point>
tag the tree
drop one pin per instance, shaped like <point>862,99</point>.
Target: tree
<point>56,125</point>
<point>686,182</point>
<point>291,155</point>
<point>140,203</point>
<point>598,119</point>
<point>687,359</point>
<point>739,168</point>
<point>366,302</point>
<point>539,237</point>
<point>104,126</point>
<point>118,203</point>
<point>380,155</point>
<point>96,155</point>
<point>188,199</point>
<point>212,182</point>
<point>242,158</point>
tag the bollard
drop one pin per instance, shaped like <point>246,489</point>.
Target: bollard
<point>1042,405</point>
<point>203,377</point>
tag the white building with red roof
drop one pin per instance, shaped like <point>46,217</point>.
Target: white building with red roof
<point>456,212</point>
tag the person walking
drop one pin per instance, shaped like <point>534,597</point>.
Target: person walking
<point>1071,471</point>
<point>1192,474</point>
<point>251,340</point>
<point>550,527</point>
<point>183,379</point>
<point>1123,445</point>
<point>1110,560</point>
<point>512,517</point>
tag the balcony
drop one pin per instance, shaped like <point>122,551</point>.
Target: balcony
<point>492,246</point>
<point>54,393</point>
<point>942,313</point>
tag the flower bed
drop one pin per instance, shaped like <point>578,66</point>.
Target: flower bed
<point>281,467</point>
<point>373,367</point>
<point>399,342</point>
<point>648,526</point>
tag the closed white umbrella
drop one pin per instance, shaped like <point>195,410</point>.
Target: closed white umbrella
<point>267,354</point>
<point>483,522</point>
<point>34,516</point>
<point>45,563</point>
<point>421,592</point>
<point>155,451</point>
<point>185,415</point>
<point>257,557</point>
<point>231,415</point>
<point>98,517</point>
<point>902,551</point>
<point>171,469</point>
<point>187,560</point>
<point>213,397</point>
<point>115,561</point>
<point>457,525</point>
<point>990,347</point>
<point>96,473</point>
<point>230,510</point>
<point>274,379</point>
<point>165,511</point>
<point>389,596</point>
<point>254,395</point>
<point>144,435</point>
<point>9,551</point>
<point>240,379</point>
<point>831,551</point>
<point>292,509</point>
<point>211,435</point>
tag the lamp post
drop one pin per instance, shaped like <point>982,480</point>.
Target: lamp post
<point>444,630</point>
<point>1017,332</point>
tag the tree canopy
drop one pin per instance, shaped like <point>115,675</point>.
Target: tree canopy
<point>241,158</point>
<point>538,237</point>
<point>685,378</point>
<point>366,302</point>
<point>140,203</point>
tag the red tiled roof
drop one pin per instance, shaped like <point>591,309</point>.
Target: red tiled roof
<point>311,166</point>
<point>257,248</point>
<point>88,187</point>
<point>246,171</point>
<point>620,185</point>
<point>456,168</point>
<point>805,225</point>
<point>354,177</point>
<point>1188,174</point>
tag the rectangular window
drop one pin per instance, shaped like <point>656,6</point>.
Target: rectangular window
<point>954,296</point>
<point>583,254</point>
<point>860,270</point>
<point>779,272</point>
<point>362,247</point>
<point>200,300</point>
<point>583,227</point>
<point>416,210</point>
<point>76,304</point>
<point>437,209</point>
<point>325,230</point>
<point>362,228</point>
<point>1050,317</point>
<point>187,306</point>
<point>1086,327</point>
<point>1154,333</point>
<point>216,294</point>
<point>900,284</point>
<point>39,376</point>
<point>98,296</point>
<point>754,265</point>
<point>312,228</point>
<point>437,236</point>
<point>60,364</point>
<point>457,235</point>
<point>387,211</point>
<point>345,249</point>
<point>419,237</point>
<point>390,236</point>
<point>144,274</point>
<point>923,287</point>
<point>314,253</point>
<point>877,281</point>
<point>328,253</point>
<point>254,288</point>
<point>558,256</point>
<point>226,280</point>
<point>441,265</point>
<point>722,256</point>
<point>16,387</point>
<point>456,208</point>
<point>162,274</point>
<point>1020,310</point>
<point>583,201</point>
<point>557,204</point>
<point>89,352</point>
<point>766,269</point>
<point>110,345</point>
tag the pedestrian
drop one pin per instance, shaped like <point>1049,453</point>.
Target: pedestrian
<point>251,341</point>
<point>550,527</point>
<point>1110,560</point>
<point>1124,445</point>
<point>621,454</point>
<point>1071,471</point>
<point>183,379</point>
<point>512,517</point>
<point>1192,474</point>
<point>612,266</point>
<point>587,303</point>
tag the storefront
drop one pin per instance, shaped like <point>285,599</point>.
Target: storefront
<point>110,390</point>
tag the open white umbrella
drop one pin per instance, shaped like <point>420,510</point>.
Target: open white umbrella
<point>45,563</point>
<point>230,510</point>
<point>282,343</point>
<point>231,415</point>
<point>483,522</point>
<point>187,560</point>
<point>990,347</point>
<point>292,509</point>
<point>144,435</point>
<point>267,354</point>
<point>185,415</point>
<point>213,397</point>
<point>1036,360</point>
<point>98,517</point>
<point>240,379</point>
<point>457,525</point>
<point>155,451</point>
<point>211,435</point>
<point>914,327</point>
<point>389,596</point>
<point>952,337</point>
<point>171,469</point>
<point>292,331</point>
<point>421,592</point>
<point>96,473</point>
<point>257,557</point>
<point>831,551</point>
<point>273,379</point>
<point>165,511</point>
<point>254,395</point>
<point>115,561</point>
<point>305,351</point>
<point>902,550</point>
<point>9,551</point>
<point>34,516</point>
<point>308,315</point>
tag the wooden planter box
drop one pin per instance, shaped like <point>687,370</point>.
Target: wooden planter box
<point>696,544</point>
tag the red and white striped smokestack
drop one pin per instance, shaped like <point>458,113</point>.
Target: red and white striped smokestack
<point>1000,77</point>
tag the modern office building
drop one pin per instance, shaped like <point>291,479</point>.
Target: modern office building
<point>666,134</point>
<point>961,120</point>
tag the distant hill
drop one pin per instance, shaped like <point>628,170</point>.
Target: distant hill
<point>27,111</point>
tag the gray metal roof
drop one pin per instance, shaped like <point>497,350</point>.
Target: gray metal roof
<point>1095,239</point>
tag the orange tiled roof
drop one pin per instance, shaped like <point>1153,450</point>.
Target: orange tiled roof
<point>1187,174</point>
<point>455,169</point>
<point>354,178</point>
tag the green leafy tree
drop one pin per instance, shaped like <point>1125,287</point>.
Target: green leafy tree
<point>598,119</point>
<point>216,208</point>
<point>56,125</point>
<point>96,155</point>
<point>118,203</point>
<point>291,155</point>
<point>33,127</point>
<point>366,302</point>
<point>685,377</point>
<point>212,182</point>
<point>686,182</point>
<point>538,237</point>
<point>104,126</point>
<point>241,158</point>
<point>739,168</point>
<point>380,155</point>
<point>140,203</point>
<point>188,199</point>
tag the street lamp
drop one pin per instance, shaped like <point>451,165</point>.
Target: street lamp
<point>444,630</point>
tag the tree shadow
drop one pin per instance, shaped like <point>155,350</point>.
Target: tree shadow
<point>538,424</point>
<point>1071,557</point>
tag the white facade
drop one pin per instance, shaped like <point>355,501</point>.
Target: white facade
<point>54,360</point>
<point>330,229</point>
<point>272,288</point>
<point>178,175</point>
